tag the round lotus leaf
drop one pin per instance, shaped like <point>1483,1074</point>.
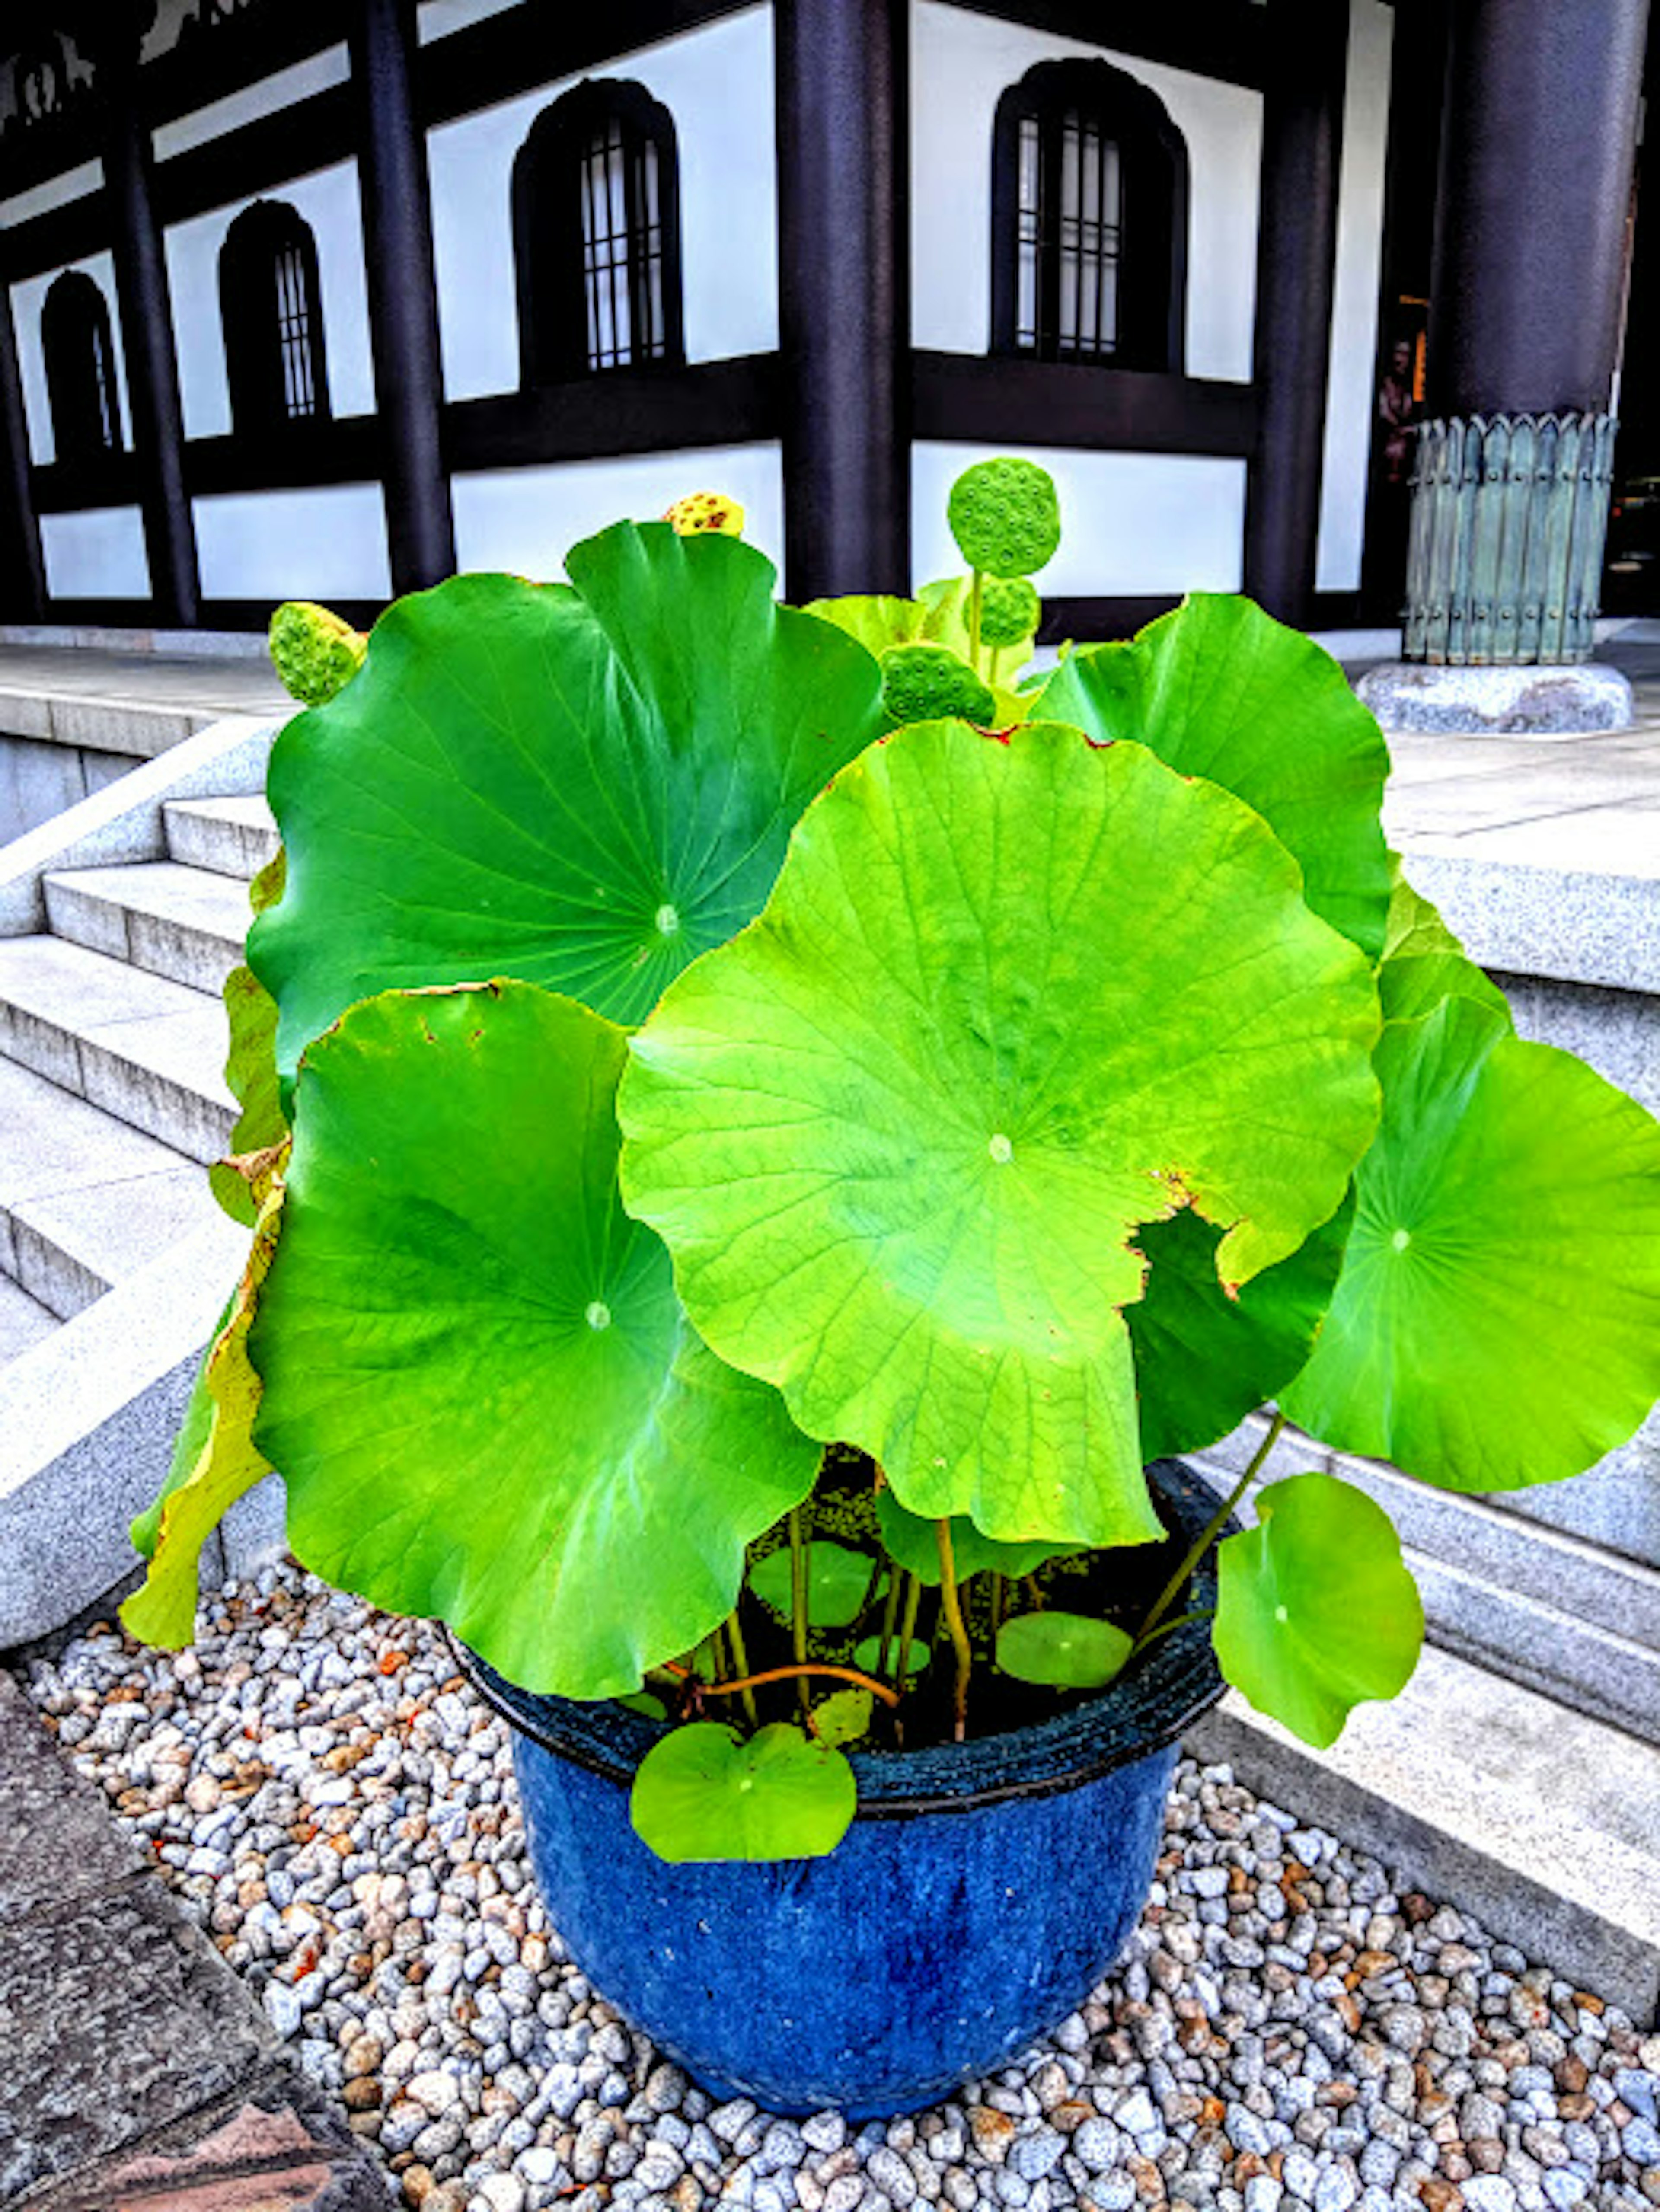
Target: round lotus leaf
<point>703,1792</point>
<point>1219,690</point>
<point>1315,1610</point>
<point>1005,516</point>
<point>838,1581</point>
<point>922,682</point>
<point>868,1654</point>
<point>583,787</point>
<point>480,1384</point>
<point>1007,1003</point>
<point>843,1716</point>
<point>913,1544</point>
<point>1494,1323</point>
<point>1010,611</point>
<point>1064,1651</point>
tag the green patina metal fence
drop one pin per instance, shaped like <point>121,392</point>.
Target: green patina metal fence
<point>1505,560</point>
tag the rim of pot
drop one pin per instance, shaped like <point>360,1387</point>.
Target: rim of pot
<point>1160,1693</point>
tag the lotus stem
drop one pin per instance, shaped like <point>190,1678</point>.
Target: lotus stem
<point>799,1675</point>
<point>741,1660</point>
<point>890,1618</point>
<point>799,1596</point>
<point>999,1598</point>
<point>975,592</point>
<point>952,1607</point>
<point>908,1629</point>
<point>1211,1529</point>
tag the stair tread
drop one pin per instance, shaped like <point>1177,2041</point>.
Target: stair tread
<point>251,812</point>
<point>53,1143</point>
<point>24,1322</point>
<point>150,1020</point>
<point>168,891</point>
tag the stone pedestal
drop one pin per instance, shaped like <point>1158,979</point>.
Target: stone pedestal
<point>1530,700</point>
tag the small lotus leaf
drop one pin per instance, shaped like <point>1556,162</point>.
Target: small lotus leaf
<point>1494,1323</point>
<point>1315,1610</point>
<point>1008,1002</point>
<point>703,1792</point>
<point>1005,516</point>
<point>837,1581</point>
<point>867,1657</point>
<point>914,1543</point>
<point>843,1716</point>
<point>1064,1650</point>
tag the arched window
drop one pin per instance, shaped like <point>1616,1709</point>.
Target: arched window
<point>596,235</point>
<point>80,363</point>
<point>272,312</point>
<point>1089,220</point>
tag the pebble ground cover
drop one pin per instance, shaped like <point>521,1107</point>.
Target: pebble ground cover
<point>1286,2032</point>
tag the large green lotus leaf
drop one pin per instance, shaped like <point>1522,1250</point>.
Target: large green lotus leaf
<point>480,1387</point>
<point>1007,1002</point>
<point>1204,1357</point>
<point>1315,1608</point>
<point>1496,1319</point>
<point>1423,962</point>
<point>1217,689</point>
<point>582,787</point>
<point>913,1544</point>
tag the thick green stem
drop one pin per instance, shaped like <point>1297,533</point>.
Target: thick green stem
<point>740,1667</point>
<point>799,1595</point>
<point>955,1628</point>
<point>974,621</point>
<point>890,1618</point>
<point>999,1598</point>
<point>908,1630</point>
<point>1212,1531</point>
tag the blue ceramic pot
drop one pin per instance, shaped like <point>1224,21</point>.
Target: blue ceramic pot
<point>982,1891</point>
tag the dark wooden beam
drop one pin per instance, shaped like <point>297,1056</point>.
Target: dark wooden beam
<point>146,341</point>
<point>649,410</point>
<point>1536,157</point>
<point>22,571</point>
<point>843,284</point>
<point>996,399</point>
<point>1296,256</point>
<point>1089,620</point>
<point>402,294</point>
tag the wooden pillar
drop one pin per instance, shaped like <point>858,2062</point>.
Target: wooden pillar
<point>1536,152</point>
<point>843,293</point>
<point>23,572</point>
<point>397,253</point>
<point>142,290</point>
<point>1296,264</point>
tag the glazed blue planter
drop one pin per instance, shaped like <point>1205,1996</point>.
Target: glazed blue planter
<point>982,1893</point>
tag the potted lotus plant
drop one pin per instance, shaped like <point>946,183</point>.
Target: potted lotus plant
<point>766,1135</point>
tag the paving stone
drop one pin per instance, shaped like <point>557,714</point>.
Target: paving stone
<point>58,1843</point>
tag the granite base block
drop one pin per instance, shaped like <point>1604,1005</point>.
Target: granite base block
<point>1548,701</point>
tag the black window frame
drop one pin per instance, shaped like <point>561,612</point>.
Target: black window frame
<point>550,245</point>
<point>77,353</point>
<point>1154,187</point>
<point>251,320</point>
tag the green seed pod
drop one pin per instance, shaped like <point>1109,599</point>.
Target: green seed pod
<point>1010,610</point>
<point>1005,516</point>
<point>315,651</point>
<point>927,682</point>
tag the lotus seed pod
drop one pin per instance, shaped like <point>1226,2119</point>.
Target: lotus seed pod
<point>927,682</point>
<point>1010,610</point>
<point>315,651</point>
<point>702,510</point>
<point>1005,516</point>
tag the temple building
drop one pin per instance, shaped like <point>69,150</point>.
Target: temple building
<point>322,302</point>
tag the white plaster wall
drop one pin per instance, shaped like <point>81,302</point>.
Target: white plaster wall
<point>329,544</point>
<point>317,73</point>
<point>717,82</point>
<point>436,19</point>
<point>27,298</point>
<point>1350,381</point>
<point>328,201</point>
<point>523,521</point>
<point>97,554</point>
<point>961,63</point>
<point>1132,523</point>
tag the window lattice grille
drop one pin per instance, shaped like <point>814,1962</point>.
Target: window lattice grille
<point>1069,238</point>
<point>621,249</point>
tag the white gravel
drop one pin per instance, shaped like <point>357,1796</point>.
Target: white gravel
<point>1286,2032</point>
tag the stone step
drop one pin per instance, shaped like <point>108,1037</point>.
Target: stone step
<point>1538,1822</point>
<point>233,837</point>
<point>84,1200</point>
<point>170,920</point>
<point>146,1049</point>
<point>24,1322</point>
